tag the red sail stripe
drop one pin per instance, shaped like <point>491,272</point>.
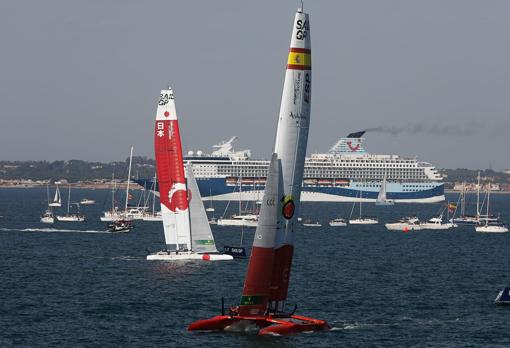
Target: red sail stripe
<point>300,50</point>
<point>298,67</point>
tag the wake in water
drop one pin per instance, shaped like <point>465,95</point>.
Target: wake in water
<point>50,230</point>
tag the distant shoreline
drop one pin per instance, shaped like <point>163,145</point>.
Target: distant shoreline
<point>135,186</point>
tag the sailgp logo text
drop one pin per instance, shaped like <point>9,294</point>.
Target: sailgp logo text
<point>302,29</point>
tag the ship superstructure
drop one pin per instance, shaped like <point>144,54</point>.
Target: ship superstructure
<point>339,175</point>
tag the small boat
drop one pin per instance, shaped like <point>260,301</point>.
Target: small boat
<point>338,222</point>
<point>361,220</point>
<point>495,228</point>
<point>86,201</point>
<point>364,221</point>
<point>47,217</point>
<point>410,223</point>
<point>490,227</point>
<point>71,217</point>
<point>120,226</point>
<point>57,200</point>
<point>381,197</point>
<point>310,223</point>
<point>210,209</point>
<point>245,220</point>
<point>503,297</point>
<point>436,223</point>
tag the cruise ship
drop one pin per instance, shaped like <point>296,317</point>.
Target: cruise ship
<point>346,173</point>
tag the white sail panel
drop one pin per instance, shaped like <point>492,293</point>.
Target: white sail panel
<point>202,239</point>
<point>294,118</point>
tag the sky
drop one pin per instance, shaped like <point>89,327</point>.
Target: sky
<point>80,79</point>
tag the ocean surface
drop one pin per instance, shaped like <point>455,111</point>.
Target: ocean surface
<point>73,285</point>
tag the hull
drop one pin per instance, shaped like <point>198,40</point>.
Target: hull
<point>264,325</point>
<point>236,222</point>
<point>184,256</point>
<point>363,222</point>
<point>47,220</point>
<point>70,218</point>
<point>491,229</point>
<point>219,189</point>
<point>337,223</point>
<point>402,227</point>
<point>434,226</point>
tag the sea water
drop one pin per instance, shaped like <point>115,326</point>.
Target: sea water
<point>73,284</point>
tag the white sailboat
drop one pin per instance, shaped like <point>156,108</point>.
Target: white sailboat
<point>381,197</point>
<point>57,200</point>
<point>74,217</point>
<point>153,215</point>
<point>188,235</point>
<point>490,227</point>
<point>47,217</point>
<point>240,219</point>
<point>361,220</point>
<point>115,214</point>
<point>210,209</point>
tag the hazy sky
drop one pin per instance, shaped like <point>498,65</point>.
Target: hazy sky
<point>80,79</point>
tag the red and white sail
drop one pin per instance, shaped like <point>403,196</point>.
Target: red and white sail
<point>290,146</point>
<point>257,284</point>
<point>170,170</point>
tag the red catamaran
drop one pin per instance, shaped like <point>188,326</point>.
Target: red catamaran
<point>267,278</point>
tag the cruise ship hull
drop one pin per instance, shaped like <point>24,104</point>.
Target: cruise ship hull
<point>218,189</point>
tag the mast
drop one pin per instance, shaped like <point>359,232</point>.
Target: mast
<point>290,146</point>
<point>154,195</point>
<point>463,200</point>
<point>360,198</point>
<point>48,194</point>
<point>68,198</point>
<point>129,179</point>
<point>113,192</point>
<point>488,200</point>
<point>478,197</point>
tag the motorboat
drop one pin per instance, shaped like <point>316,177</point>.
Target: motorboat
<point>86,201</point>
<point>338,222</point>
<point>410,223</point>
<point>436,223</point>
<point>492,228</point>
<point>47,217</point>
<point>120,226</point>
<point>310,223</point>
<point>245,220</point>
